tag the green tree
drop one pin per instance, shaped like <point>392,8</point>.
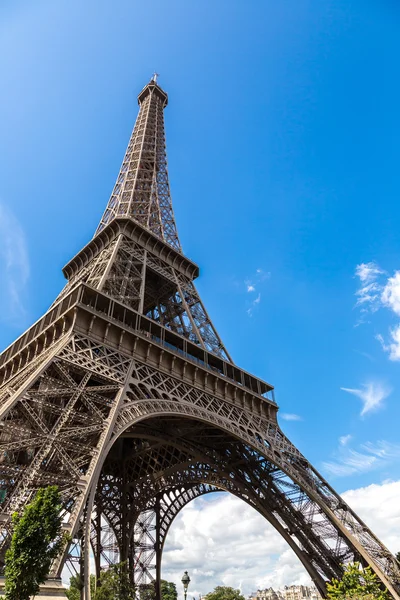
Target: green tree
<point>357,583</point>
<point>222,592</point>
<point>114,584</point>
<point>36,541</point>
<point>75,586</point>
<point>168,590</point>
<point>74,590</point>
<point>147,591</point>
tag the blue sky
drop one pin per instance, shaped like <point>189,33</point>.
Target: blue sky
<point>282,139</point>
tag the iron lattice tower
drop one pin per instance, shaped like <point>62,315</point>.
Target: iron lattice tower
<point>124,396</point>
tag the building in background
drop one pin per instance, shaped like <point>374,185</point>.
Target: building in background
<point>300,592</point>
<point>267,594</point>
<point>289,592</point>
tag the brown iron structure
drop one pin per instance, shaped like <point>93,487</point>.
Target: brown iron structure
<point>124,396</point>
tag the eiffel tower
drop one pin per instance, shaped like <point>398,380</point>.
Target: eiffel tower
<point>125,397</point>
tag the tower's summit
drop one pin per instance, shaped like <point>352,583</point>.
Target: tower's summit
<point>142,190</point>
<point>153,88</point>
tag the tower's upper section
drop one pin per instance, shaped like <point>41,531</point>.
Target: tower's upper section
<point>142,188</point>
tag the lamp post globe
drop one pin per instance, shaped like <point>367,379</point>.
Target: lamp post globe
<point>185,581</point>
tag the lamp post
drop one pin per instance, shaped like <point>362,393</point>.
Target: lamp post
<point>185,581</point>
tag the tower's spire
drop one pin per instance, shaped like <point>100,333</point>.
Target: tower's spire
<point>142,188</point>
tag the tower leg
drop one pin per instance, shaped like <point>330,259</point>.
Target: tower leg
<point>85,559</point>
<point>124,511</point>
<point>158,549</point>
<point>97,548</point>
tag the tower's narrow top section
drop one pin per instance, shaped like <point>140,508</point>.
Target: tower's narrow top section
<point>142,190</point>
<point>153,87</point>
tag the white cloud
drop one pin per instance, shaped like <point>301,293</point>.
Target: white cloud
<point>222,541</point>
<point>370,456</point>
<point>14,266</point>
<point>368,272</point>
<point>369,293</point>
<point>383,449</point>
<point>391,293</point>
<point>372,395</point>
<point>379,507</point>
<point>254,304</point>
<point>393,347</point>
<point>344,439</point>
<point>370,290</point>
<point>290,417</point>
<point>351,463</point>
<point>373,295</point>
<point>253,284</point>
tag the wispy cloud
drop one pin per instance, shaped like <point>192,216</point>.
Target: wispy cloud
<point>379,291</point>
<point>382,449</point>
<point>262,275</point>
<point>368,272</point>
<point>391,293</point>
<point>253,284</point>
<point>290,417</point>
<point>254,304</point>
<point>372,394</point>
<point>354,462</point>
<point>14,266</point>
<point>370,290</point>
<point>366,355</point>
<point>391,299</point>
<point>368,457</point>
<point>344,439</point>
<point>393,346</point>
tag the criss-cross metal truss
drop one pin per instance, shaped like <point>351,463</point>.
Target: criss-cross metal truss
<point>124,396</point>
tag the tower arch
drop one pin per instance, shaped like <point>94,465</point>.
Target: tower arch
<point>262,480</point>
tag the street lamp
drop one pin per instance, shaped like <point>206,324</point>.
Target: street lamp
<point>185,581</point>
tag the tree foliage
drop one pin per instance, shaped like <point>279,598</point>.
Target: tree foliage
<point>74,590</point>
<point>168,590</point>
<point>357,583</point>
<point>222,592</point>
<point>75,586</point>
<point>36,541</point>
<point>114,584</point>
<point>147,591</point>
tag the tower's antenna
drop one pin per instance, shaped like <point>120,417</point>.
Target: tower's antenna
<point>154,78</point>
